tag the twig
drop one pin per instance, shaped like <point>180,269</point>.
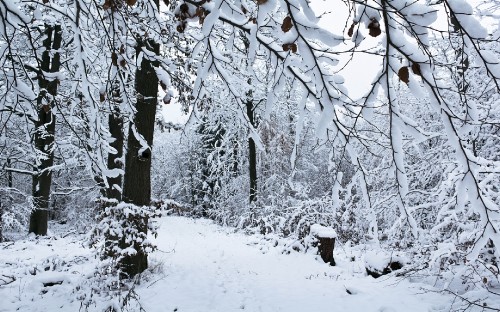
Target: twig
<point>70,232</point>
<point>155,282</point>
<point>7,280</point>
<point>471,303</point>
<point>4,247</point>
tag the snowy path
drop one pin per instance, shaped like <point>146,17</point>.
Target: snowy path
<point>209,268</point>
<point>202,267</point>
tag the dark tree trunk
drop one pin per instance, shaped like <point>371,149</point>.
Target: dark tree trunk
<point>137,178</point>
<point>115,120</point>
<point>9,174</point>
<point>252,154</point>
<point>45,131</point>
<point>1,221</point>
<point>9,185</point>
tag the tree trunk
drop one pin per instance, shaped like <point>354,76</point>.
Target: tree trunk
<point>9,185</point>
<point>45,131</point>
<point>115,121</point>
<point>1,221</point>
<point>252,154</point>
<point>252,151</point>
<point>137,178</point>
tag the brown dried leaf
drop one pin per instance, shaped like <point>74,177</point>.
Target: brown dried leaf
<point>351,29</point>
<point>374,28</point>
<point>123,63</point>
<point>404,75</point>
<point>293,47</point>
<point>114,59</point>
<point>415,68</point>
<point>102,97</point>
<point>286,46</point>
<point>201,13</point>
<point>287,24</point>
<point>131,2</point>
<point>259,2</point>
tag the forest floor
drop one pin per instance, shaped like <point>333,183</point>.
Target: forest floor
<point>200,266</point>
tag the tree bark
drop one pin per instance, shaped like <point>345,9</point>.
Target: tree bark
<point>45,130</point>
<point>115,121</point>
<point>252,155</point>
<point>1,221</point>
<point>137,178</point>
<point>9,185</point>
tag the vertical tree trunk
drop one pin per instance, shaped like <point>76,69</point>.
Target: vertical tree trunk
<point>137,178</point>
<point>45,131</point>
<point>9,184</point>
<point>252,151</point>
<point>1,221</point>
<point>252,154</point>
<point>115,118</point>
<point>115,121</point>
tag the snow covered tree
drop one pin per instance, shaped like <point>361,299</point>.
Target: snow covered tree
<point>414,159</point>
<point>48,81</point>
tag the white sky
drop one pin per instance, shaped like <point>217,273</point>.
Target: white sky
<point>173,112</point>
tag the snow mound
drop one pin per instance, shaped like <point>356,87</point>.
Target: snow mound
<point>378,262</point>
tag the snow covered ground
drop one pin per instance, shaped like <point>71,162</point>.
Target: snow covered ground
<point>204,267</point>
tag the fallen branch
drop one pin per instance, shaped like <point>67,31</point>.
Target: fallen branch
<point>4,247</point>
<point>6,280</point>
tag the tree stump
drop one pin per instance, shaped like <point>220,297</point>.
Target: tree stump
<point>326,242</point>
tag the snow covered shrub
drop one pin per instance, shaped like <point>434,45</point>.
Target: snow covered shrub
<point>121,233</point>
<point>73,199</point>
<point>103,290</point>
<point>473,282</point>
<point>14,213</point>
<point>293,219</point>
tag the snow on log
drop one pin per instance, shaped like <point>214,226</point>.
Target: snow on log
<point>378,263</point>
<point>49,279</point>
